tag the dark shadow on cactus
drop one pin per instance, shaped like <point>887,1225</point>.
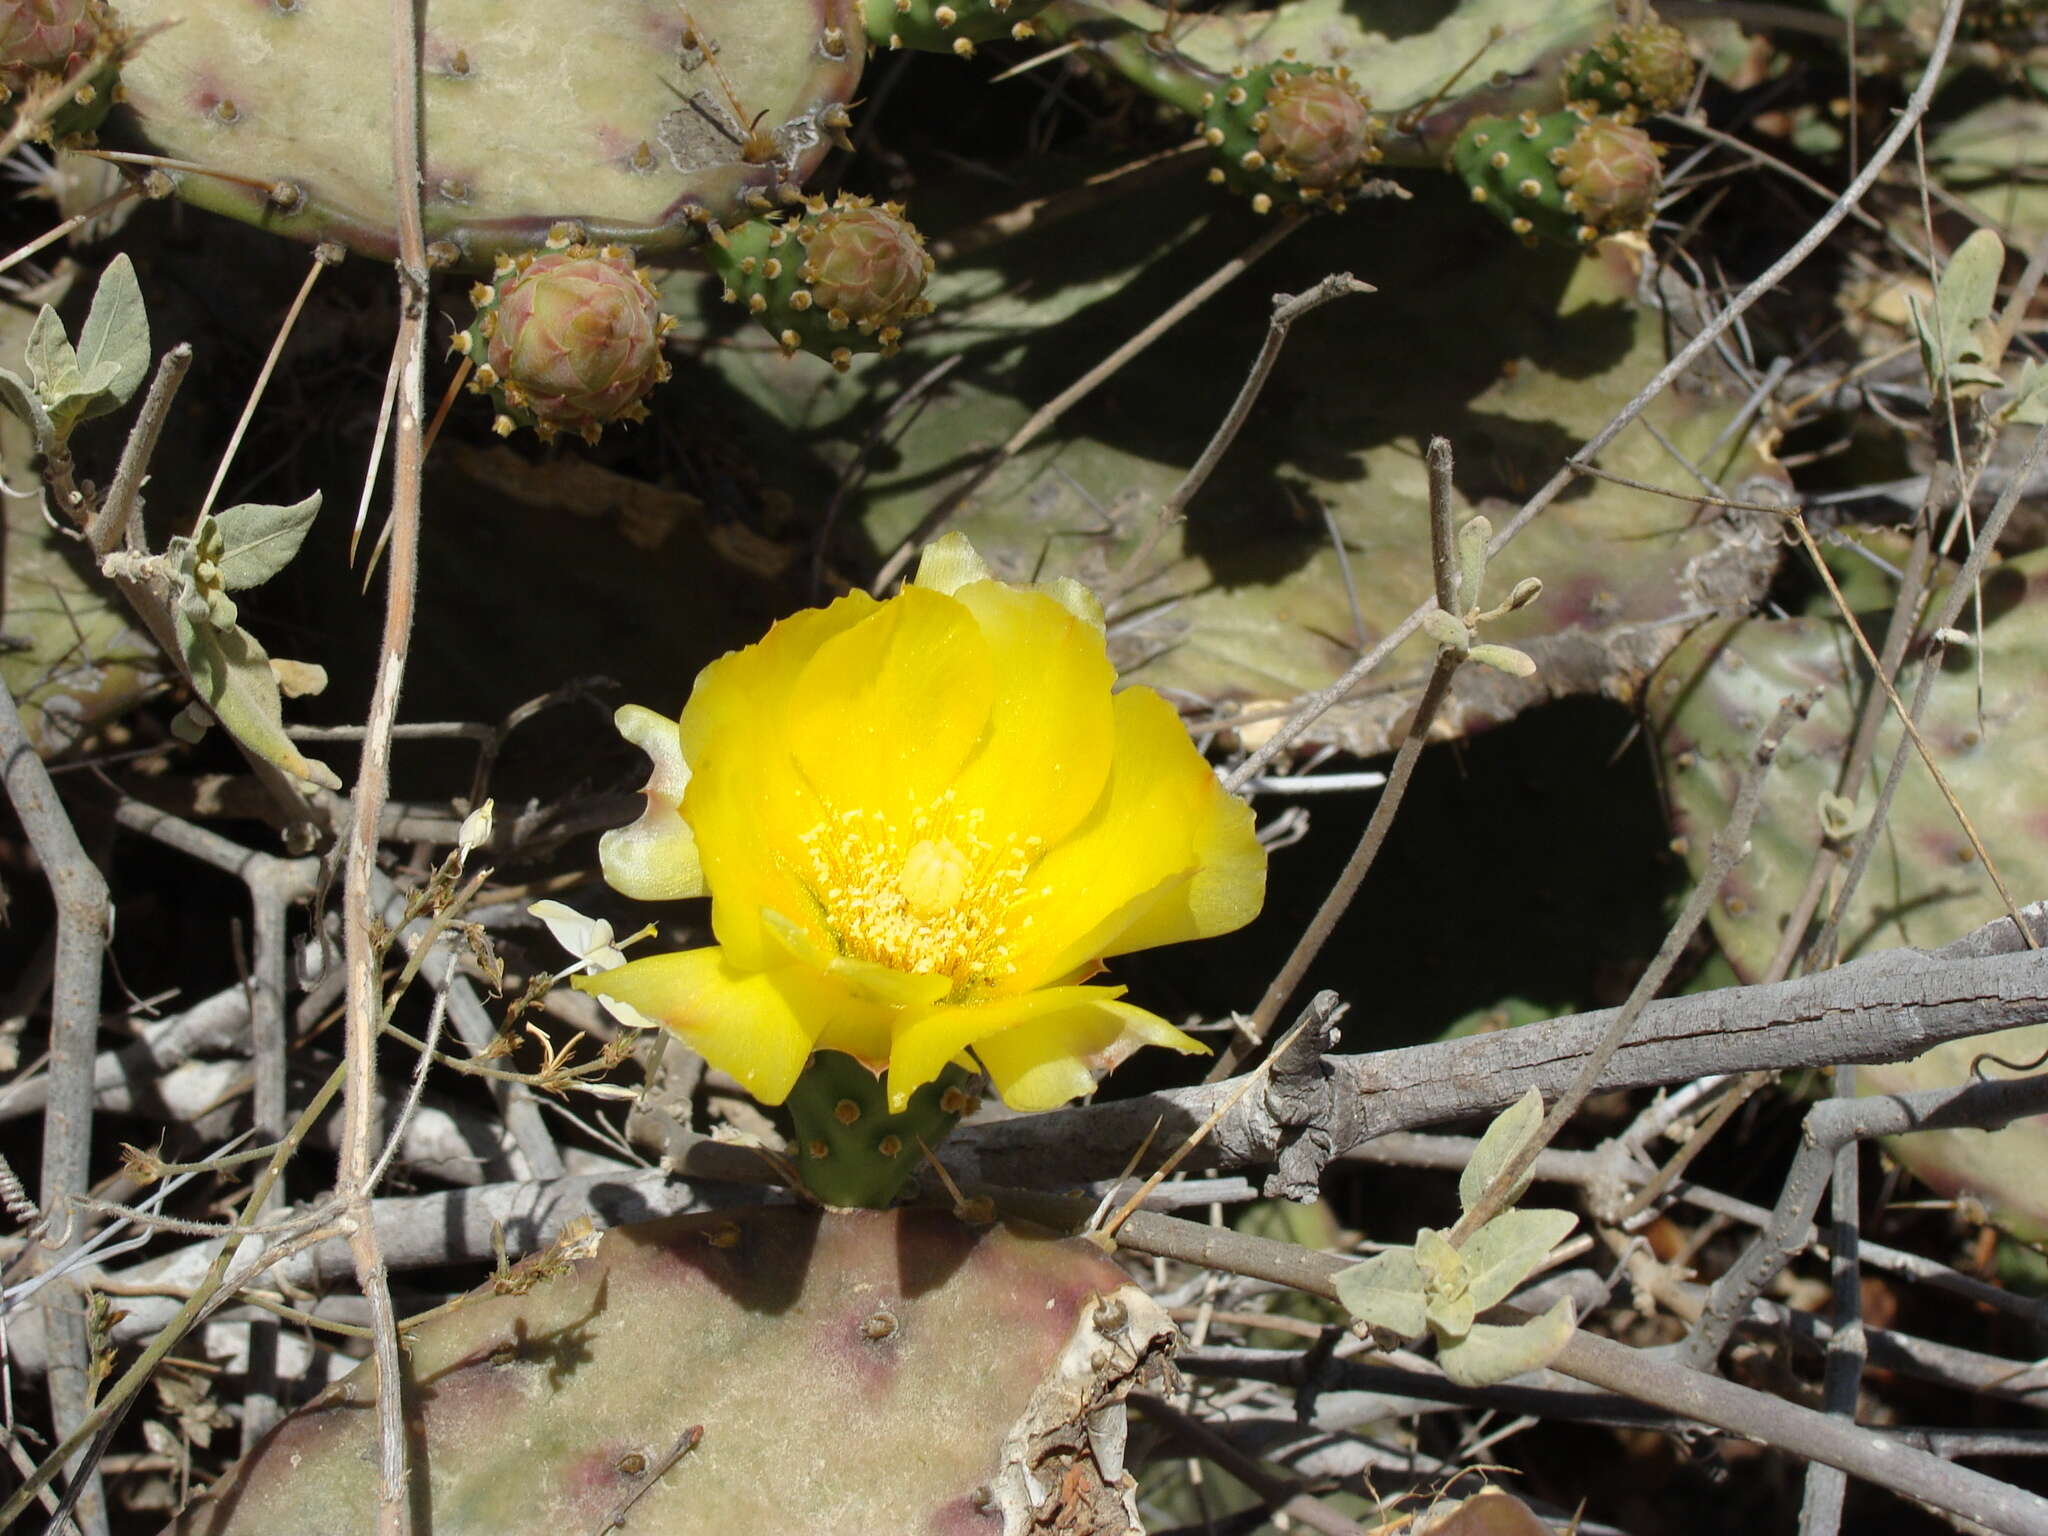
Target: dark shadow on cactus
<point>1401,18</point>
<point>759,1257</point>
<point>931,1248</point>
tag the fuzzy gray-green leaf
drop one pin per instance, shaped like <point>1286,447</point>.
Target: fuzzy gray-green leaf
<point>1512,1129</point>
<point>113,345</point>
<point>1490,1353</point>
<point>232,675</point>
<point>1504,1252</point>
<point>1385,1291</point>
<point>258,541</point>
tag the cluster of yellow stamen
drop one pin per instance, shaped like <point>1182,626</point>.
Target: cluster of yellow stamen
<point>934,898</point>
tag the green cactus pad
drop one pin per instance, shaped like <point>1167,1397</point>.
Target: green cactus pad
<point>754,1373</point>
<point>1291,133</point>
<point>1924,887</point>
<point>949,26</point>
<point>835,280</point>
<point>1633,70</point>
<point>849,1148</point>
<point>567,339</point>
<point>613,115</point>
<point>1568,177</point>
<point>1255,599</point>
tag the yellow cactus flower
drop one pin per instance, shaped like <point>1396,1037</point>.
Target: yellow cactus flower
<point>924,823</point>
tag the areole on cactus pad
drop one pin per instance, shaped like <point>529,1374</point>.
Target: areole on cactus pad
<point>623,116</point>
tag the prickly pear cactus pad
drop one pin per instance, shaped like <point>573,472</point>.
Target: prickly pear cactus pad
<point>614,115</point>
<point>566,339</point>
<point>1923,887</point>
<point>1518,356</point>
<point>767,1372</point>
<point>1520,45</point>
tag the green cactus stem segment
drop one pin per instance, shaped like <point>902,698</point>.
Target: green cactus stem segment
<point>838,279</point>
<point>1633,71</point>
<point>1291,133</point>
<point>949,26</point>
<point>43,43</point>
<point>849,1149</point>
<point>1569,177</point>
<point>566,339</point>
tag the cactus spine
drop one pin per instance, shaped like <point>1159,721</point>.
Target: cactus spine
<point>1292,133</point>
<point>838,279</point>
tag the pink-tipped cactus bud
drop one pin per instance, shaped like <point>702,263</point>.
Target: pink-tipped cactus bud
<point>865,262</point>
<point>1610,175</point>
<point>1317,130</point>
<point>566,340</point>
<point>48,36</point>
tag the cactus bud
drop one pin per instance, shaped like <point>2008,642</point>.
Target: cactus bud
<point>49,41</point>
<point>1292,133</point>
<point>838,279</point>
<point>1633,70</point>
<point>1610,175</point>
<point>566,340</point>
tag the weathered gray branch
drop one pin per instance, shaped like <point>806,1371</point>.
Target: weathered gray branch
<point>1889,1007</point>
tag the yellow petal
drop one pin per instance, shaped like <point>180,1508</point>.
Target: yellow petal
<point>758,1026</point>
<point>1046,1062</point>
<point>1166,855</point>
<point>1043,763</point>
<point>655,858</point>
<point>746,802</point>
<point>948,564</point>
<point>884,714</point>
<point>1058,1054</point>
<point>927,1039</point>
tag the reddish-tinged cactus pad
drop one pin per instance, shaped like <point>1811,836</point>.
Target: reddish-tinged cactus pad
<point>566,340</point>
<point>861,1371</point>
<point>614,114</point>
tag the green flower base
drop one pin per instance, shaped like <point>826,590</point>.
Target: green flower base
<point>849,1150</point>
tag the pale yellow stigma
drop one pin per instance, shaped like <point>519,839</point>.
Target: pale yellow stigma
<point>933,898</point>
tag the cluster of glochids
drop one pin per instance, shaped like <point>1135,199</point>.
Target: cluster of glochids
<point>950,26</point>
<point>1291,133</point>
<point>46,43</point>
<point>566,339</point>
<point>836,279</point>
